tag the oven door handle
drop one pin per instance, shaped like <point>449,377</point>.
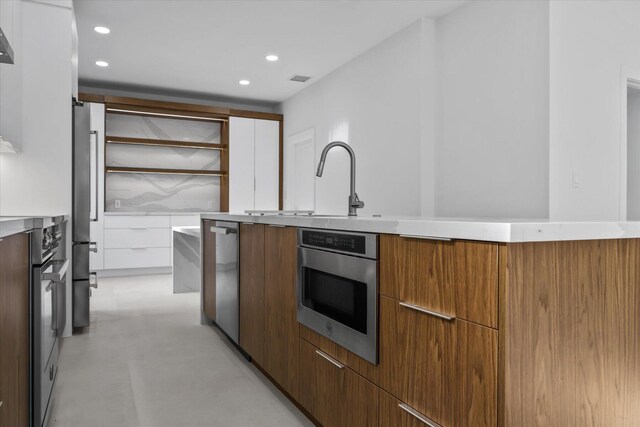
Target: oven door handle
<point>58,276</point>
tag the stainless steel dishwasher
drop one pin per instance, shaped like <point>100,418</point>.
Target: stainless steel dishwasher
<point>227,285</point>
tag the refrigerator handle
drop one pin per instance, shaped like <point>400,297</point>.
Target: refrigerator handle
<point>94,218</point>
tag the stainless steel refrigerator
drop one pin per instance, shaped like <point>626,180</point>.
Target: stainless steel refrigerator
<point>84,210</point>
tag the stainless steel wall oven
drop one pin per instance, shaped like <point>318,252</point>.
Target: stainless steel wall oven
<point>337,288</point>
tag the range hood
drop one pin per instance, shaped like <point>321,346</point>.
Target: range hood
<point>6,53</point>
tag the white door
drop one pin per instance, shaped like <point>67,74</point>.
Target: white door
<point>301,171</point>
<point>267,164</point>
<point>241,164</point>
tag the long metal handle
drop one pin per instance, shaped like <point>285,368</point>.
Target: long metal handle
<point>93,247</point>
<point>58,276</point>
<point>54,309</point>
<point>97,174</point>
<point>330,359</point>
<point>417,415</point>
<point>413,236</point>
<point>277,226</point>
<point>223,230</point>
<point>424,310</point>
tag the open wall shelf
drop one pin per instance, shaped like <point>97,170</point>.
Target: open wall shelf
<point>164,143</point>
<point>119,169</point>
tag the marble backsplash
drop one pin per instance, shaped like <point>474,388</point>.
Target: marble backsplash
<point>162,128</point>
<point>148,156</point>
<point>136,192</point>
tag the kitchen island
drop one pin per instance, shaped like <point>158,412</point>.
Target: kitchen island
<point>481,322</point>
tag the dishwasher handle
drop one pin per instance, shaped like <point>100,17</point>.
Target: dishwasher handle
<point>224,230</point>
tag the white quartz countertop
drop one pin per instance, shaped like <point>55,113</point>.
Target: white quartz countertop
<point>491,230</point>
<point>17,224</point>
<point>156,213</point>
<point>191,231</point>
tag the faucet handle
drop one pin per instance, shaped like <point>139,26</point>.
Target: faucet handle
<point>356,202</point>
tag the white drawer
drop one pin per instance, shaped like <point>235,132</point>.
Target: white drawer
<point>120,238</point>
<point>137,258</point>
<point>137,221</point>
<point>185,220</point>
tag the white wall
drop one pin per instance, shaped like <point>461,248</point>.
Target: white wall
<point>633,154</point>
<point>591,43</point>
<point>492,111</point>
<point>38,180</point>
<point>377,104</point>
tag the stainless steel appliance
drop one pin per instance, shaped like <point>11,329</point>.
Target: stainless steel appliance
<point>227,301</point>
<point>84,204</point>
<point>49,265</point>
<point>338,288</point>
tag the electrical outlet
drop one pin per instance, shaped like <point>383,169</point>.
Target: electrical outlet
<point>117,204</point>
<point>210,204</point>
<point>575,180</point>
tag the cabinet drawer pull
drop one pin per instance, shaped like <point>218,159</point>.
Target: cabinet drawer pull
<point>247,223</point>
<point>424,310</point>
<point>413,236</point>
<point>417,415</point>
<point>277,226</point>
<point>330,359</point>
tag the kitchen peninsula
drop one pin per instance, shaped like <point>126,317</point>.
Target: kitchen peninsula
<point>480,322</point>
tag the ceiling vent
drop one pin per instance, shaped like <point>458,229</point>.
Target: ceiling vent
<point>298,78</point>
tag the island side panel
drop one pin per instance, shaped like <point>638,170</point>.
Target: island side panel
<point>569,351</point>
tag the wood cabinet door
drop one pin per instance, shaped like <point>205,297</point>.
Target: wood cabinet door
<point>445,369</point>
<point>332,393</point>
<point>281,325</point>
<point>14,330</point>
<point>457,279</point>
<point>252,290</point>
<point>208,261</point>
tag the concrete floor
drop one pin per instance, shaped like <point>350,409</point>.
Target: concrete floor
<point>147,361</point>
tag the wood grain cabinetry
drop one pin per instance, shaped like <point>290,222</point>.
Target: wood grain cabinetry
<point>456,279</point>
<point>332,393</point>
<point>252,319</point>
<point>281,360</point>
<point>14,330</point>
<point>208,270</point>
<point>445,369</point>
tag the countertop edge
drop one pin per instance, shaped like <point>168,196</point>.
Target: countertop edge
<point>463,229</point>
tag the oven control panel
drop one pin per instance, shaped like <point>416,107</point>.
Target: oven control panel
<point>353,243</point>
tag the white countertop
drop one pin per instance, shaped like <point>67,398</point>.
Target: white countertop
<point>17,224</point>
<point>156,213</point>
<point>491,230</point>
<point>190,230</point>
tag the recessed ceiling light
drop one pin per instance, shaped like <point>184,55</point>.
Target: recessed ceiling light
<point>102,30</point>
<point>272,58</point>
<point>244,82</point>
<point>1,53</point>
<point>102,63</point>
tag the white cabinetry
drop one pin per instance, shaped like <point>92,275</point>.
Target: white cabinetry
<point>140,241</point>
<point>254,164</point>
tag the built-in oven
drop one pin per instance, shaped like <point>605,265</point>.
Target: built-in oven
<point>47,294</point>
<point>337,288</point>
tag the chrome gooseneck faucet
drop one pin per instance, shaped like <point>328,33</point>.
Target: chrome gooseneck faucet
<point>354,201</point>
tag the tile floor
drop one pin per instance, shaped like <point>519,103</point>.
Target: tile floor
<point>147,361</point>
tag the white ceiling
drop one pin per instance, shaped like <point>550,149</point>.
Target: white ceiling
<point>206,47</point>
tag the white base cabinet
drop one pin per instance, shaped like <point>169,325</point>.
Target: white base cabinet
<point>139,241</point>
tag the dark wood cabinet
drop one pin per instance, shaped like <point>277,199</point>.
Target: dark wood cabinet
<point>281,335</point>
<point>252,319</point>
<point>445,369</point>
<point>14,330</point>
<point>457,279</point>
<point>208,270</point>
<point>332,393</point>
